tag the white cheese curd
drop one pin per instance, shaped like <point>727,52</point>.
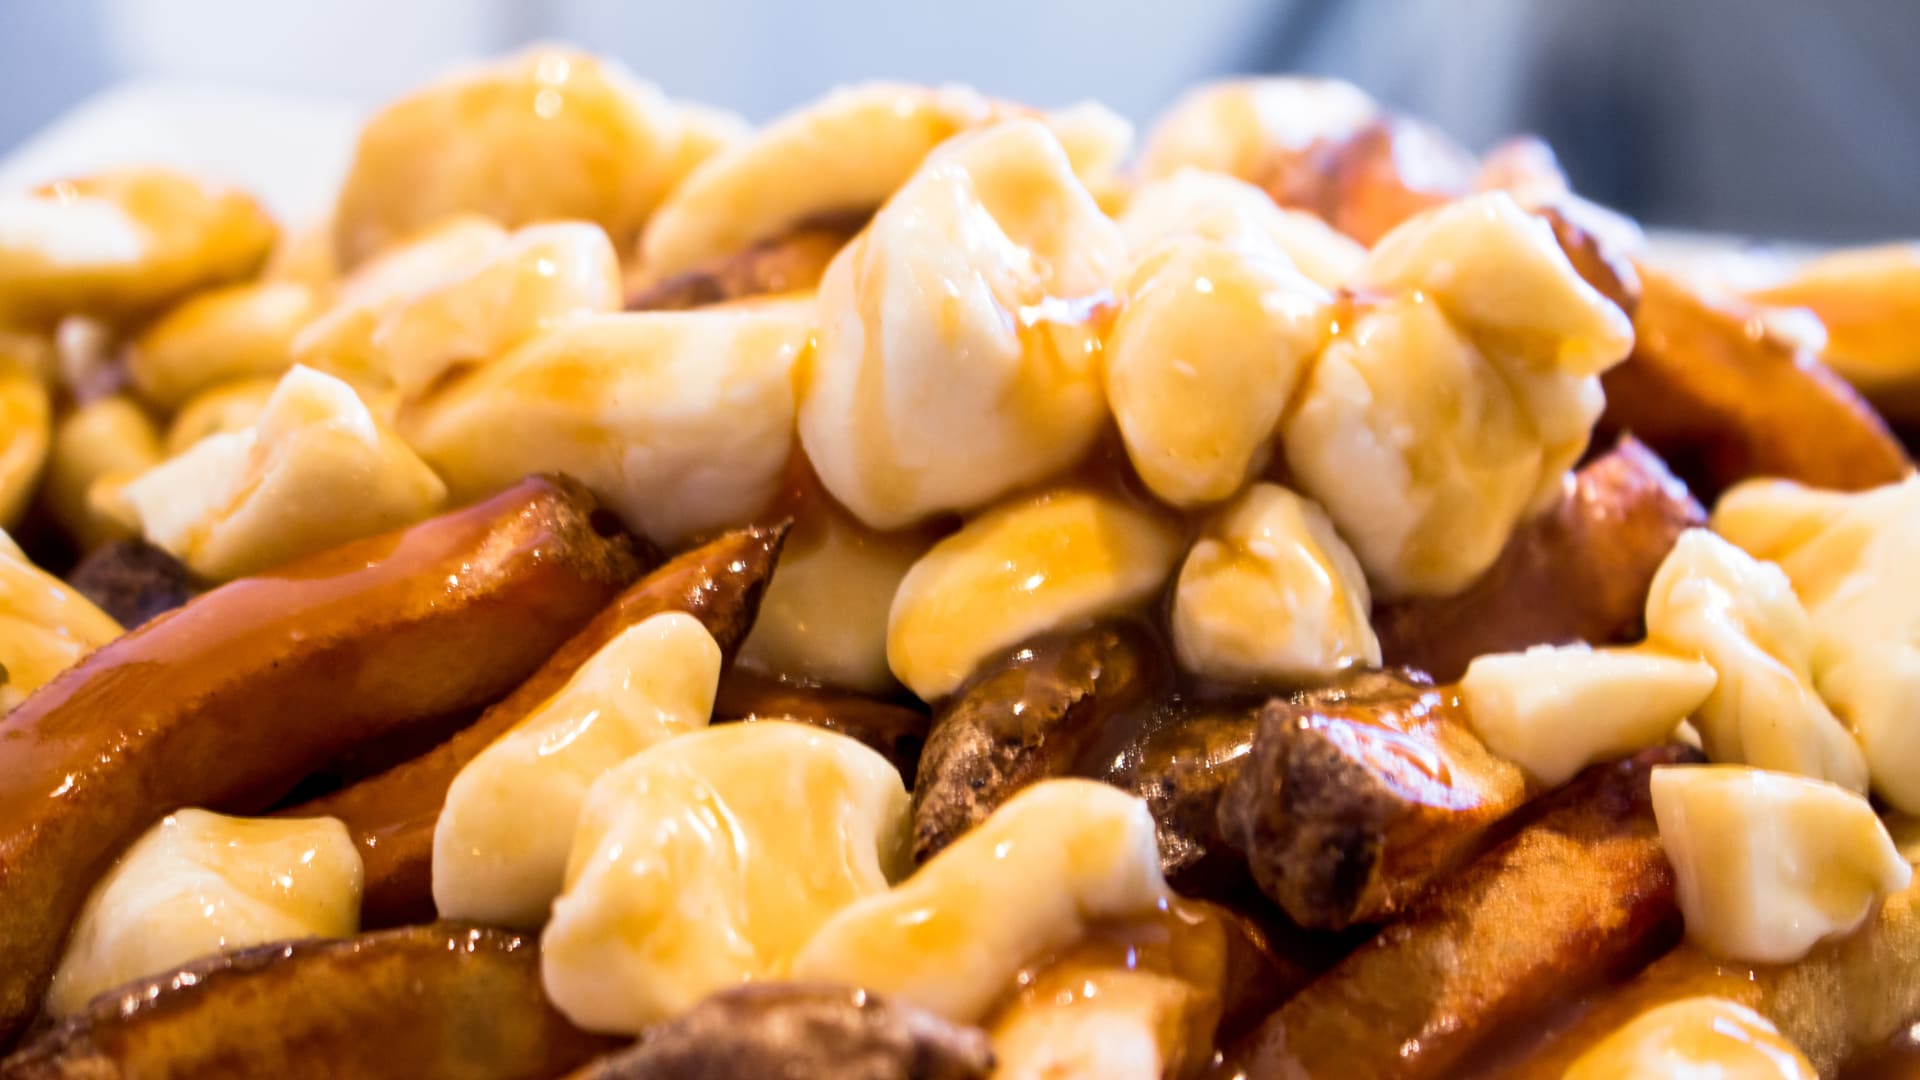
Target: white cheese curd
<point>710,860</point>
<point>315,469</point>
<point>1271,592</point>
<point>1712,600</point>
<point>1057,856</point>
<point>1018,571</point>
<point>1768,865</point>
<point>500,844</point>
<point>200,883</point>
<point>1555,709</point>
<point>958,353</point>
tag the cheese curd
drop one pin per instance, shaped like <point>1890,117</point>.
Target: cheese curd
<point>1712,600</point>
<point>109,439</point>
<point>1241,126</point>
<point>500,844</point>
<point>1502,277</point>
<point>1271,593</point>
<point>1031,878</point>
<point>341,339</point>
<point>540,276</point>
<point>200,883</point>
<point>710,860</point>
<point>1850,558</point>
<point>1203,360</point>
<point>1440,418</point>
<point>118,244</point>
<point>823,618</point>
<point>230,406</point>
<point>845,153</point>
<point>958,353</point>
<point>26,436</point>
<point>1554,710</point>
<point>45,627</point>
<point>681,421</point>
<point>1098,1021</point>
<point>1705,1037</point>
<point>1215,206</point>
<point>544,135</point>
<point>237,332</point>
<point>1020,570</point>
<point>1419,451</point>
<point>1767,865</point>
<point>316,469</point>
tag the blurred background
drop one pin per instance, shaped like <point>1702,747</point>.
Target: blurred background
<point>1764,118</point>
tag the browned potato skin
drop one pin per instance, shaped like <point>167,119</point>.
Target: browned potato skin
<point>392,815</point>
<point>1348,806</point>
<point>1026,717</point>
<point>1578,896</point>
<point>1722,399</point>
<point>894,730</point>
<point>1579,572</point>
<point>227,702</point>
<point>1367,183</point>
<point>1845,998</point>
<point>800,1031</point>
<point>134,581</point>
<point>1180,761</point>
<point>421,1003</point>
<point>790,263</point>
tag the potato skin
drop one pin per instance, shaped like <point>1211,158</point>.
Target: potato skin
<point>801,1031</point>
<point>134,581</point>
<point>1579,896</point>
<point>794,262</point>
<point>1026,717</point>
<point>1579,572</point>
<point>421,1003</point>
<point>894,729</point>
<point>392,814</point>
<point>227,702</point>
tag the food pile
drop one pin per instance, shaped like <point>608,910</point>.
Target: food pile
<point>924,589</point>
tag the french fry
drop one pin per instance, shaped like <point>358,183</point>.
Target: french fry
<point>1579,572</point>
<point>392,815</point>
<point>227,702</point>
<point>1024,718</point>
<point>1577,897</point>
<point>1348,806</point>
<point>801,1031</point>
<point>421,1003</point>
<point>895,730</point>
<point>1722,398</point>
<point>1842,1000</point>
<point>790,263</point>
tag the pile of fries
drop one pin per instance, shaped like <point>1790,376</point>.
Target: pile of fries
<point>921,589</point>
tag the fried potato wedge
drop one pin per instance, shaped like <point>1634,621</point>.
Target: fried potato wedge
<point>1366,183</point>
<point>894,730</point>
<point>1578,896</point>
<point>227,702</point>
<point>1869,301</point>
<point>1722,398</point>
<point>1024,718</point>
<point>1842,1000</point>
<point>1180,760</point>
<point>134,581</point>
<point>789,263</point>
<point>392,814</point>
<point>800,1031</point>
<point>1348,806</point>
<point>420,1003</point>
<point>1579,572</point>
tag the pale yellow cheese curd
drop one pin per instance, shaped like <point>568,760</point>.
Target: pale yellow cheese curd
<point>200,883</point>
<point>45,627</point>
<point>1701,1038</point>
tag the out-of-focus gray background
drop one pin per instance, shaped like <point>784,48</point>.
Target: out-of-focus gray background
<point>1771,118</point>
